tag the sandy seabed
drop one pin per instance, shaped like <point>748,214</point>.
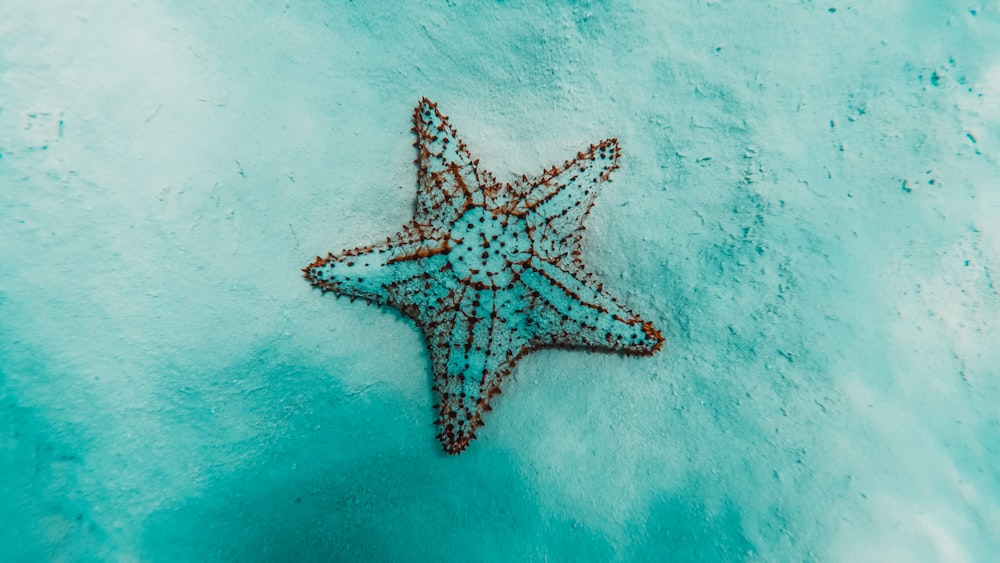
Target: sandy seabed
<point>808,206</point>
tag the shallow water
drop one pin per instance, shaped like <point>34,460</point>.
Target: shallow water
<point>806,207</point>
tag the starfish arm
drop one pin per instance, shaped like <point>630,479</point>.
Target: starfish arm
<point>569,313</point>
<point>473,348</point>
<point>447,177</point>
<point>555,203</point>
<point>371,272</point>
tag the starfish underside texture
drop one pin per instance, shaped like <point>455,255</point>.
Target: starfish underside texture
<point>489,271</point>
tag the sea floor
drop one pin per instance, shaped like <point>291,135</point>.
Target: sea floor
<point>807,207</point>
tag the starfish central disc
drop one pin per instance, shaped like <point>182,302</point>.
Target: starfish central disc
<point>489,250</point>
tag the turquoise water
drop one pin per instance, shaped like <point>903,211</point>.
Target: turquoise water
<point>806,208</point>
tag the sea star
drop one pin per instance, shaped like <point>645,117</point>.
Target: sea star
<point>489,271</point>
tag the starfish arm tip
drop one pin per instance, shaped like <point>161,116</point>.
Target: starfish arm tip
<point>653,343</point>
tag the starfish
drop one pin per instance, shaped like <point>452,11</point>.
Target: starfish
<point>489,272</point>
